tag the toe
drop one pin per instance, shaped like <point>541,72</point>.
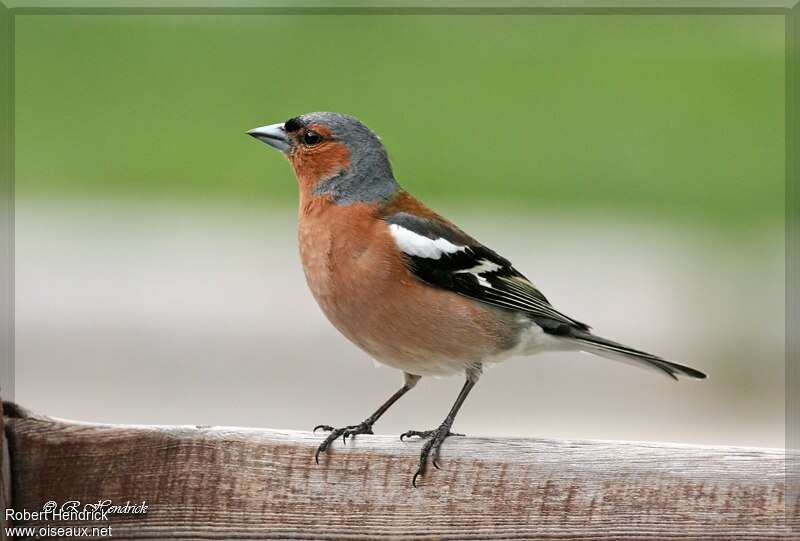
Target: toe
<point>417,433</point>
<point>421,468</point>
<point>321,449</point>
<point>414,480</point>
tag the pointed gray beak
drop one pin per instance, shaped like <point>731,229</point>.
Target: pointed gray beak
<point>274,135</point>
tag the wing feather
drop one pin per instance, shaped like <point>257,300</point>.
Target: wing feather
<point>442,255</point>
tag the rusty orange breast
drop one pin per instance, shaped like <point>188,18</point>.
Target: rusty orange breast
<point>360,280</point>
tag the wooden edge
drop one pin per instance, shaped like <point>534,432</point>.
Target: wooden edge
<point>506,447</point>
<point>15,411</point>
<point>237,483</point>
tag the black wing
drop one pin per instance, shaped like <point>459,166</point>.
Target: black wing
<point>444,256</point>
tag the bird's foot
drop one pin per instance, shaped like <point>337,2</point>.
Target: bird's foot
<point>434,438</point>
<point>345,432</point>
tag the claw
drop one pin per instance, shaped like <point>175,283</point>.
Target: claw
<point>321,449</point>
<point>431,448</point>
<point>345,432</point>
<point>326,442</point>
<point>418,433</point>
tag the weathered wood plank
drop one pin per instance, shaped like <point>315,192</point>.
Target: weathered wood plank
<point>237,483</point>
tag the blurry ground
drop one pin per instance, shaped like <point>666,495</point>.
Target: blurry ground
<point>141,314</point>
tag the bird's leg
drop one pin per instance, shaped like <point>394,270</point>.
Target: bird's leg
<point>365,427</point>
<point>436,437</point>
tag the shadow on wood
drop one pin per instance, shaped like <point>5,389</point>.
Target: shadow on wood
<point>239,483</point>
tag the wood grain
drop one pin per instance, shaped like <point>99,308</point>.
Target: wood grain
<point>239,483</point>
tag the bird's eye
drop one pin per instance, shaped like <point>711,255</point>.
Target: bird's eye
<point>311,138</point>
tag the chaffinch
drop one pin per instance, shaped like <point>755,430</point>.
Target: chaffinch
<point>408,286</point>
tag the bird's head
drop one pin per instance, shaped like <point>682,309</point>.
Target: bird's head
<point>333,155</point>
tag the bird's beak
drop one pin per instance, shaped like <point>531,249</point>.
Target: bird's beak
<point>274,135</point>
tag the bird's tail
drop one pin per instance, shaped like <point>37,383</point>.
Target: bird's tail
<point>613,350</point>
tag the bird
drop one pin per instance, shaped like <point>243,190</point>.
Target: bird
<point>408,286</point>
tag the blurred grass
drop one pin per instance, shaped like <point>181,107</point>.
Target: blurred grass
<point>676,116</point>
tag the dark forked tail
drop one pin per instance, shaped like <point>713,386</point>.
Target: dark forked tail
<point>614,350</point>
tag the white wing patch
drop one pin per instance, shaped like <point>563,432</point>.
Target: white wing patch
<point>484,265</point>
<point>418,245</point>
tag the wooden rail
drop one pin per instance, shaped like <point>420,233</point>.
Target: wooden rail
<point>238,483</point>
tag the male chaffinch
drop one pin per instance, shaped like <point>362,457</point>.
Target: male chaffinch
<point>406,285</point>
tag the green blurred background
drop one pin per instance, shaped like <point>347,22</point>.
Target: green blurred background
<point>632,166</point>
<point>682,116</point>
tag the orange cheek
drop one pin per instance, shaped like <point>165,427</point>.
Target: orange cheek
<point>313,165</point>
